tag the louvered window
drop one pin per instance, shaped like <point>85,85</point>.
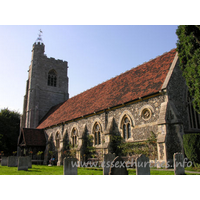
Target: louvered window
<point>52,78</point>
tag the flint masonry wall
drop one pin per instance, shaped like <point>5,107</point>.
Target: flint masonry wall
<point>110,121</point>
<point>49,95</point>
<point>176,91</point>
<point>176,121</point>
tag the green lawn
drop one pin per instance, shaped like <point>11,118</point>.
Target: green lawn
<point>54,170</point>
<point>197,169</point>
<point>46,170</point>
<point>35,170</point>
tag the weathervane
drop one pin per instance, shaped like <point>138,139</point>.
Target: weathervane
<point>39,39</point>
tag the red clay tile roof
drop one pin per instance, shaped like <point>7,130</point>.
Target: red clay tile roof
<point>141,81</point>
<point>34,137</point>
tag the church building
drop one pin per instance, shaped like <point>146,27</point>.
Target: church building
<point>150,98</point>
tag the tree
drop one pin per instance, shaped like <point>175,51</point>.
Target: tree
<point>9,131</point>
<point>191,143</point>
<point>188,47</point>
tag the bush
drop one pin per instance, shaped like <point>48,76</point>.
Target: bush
<point>191,143</point>
<point>122,148</point>
<point>9,131</point>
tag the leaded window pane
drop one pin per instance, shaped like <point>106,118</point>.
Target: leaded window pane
<point>124,131</point>
<point>57,141</point>
<point>49,80</point>
<point>97,127</point>
<point>129,131</point>
<point>99,137</point>
<point>95,138</point>
<point>97,134</point>
<point>54,82</point>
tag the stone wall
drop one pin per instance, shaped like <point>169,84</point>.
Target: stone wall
<point>110,121</point>
<point>177,114</point>
<point>40,97</point>
<point>176,91</point>
<point>173,118</point>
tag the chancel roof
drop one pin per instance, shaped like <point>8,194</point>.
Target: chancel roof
<point>141,81</point>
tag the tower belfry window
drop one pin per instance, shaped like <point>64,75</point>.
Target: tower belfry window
<point>52,78</point>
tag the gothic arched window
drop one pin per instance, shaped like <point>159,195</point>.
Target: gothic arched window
<point>126,128</point>
<point>194,117</point>
<point>74,137</point>
<point>52,78</point>
<point>57,140</point>
<point>97,134</point>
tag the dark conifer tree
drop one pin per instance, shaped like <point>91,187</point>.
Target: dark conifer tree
<point>188,47</point>
<point>9,131</point>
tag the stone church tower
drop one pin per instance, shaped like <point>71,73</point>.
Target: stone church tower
<point>47,86</point>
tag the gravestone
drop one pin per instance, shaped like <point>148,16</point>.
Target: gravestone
<point>118,167</point>
<point>108,158</point>
<point>23,163</point>
<point>178,164</point>
<point>12,161</point>
<point>4,161</point>
<point>70,166</point>
<point>29,162</point>
<point>142,165</point>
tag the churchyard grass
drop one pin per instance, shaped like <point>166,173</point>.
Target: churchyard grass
<point>197,169</point>
<point>46,170</point>
<point>89,171</point>
<point>58,170</point>
<point>35,170</point>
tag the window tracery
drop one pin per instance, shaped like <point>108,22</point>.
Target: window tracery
<point>97,134</point>
<point>74,137</point>
<point>126,128</point>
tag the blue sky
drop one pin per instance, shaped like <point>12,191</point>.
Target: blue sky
<point>94,53</point>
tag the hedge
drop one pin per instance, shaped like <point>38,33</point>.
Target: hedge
<point>191,143</point>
